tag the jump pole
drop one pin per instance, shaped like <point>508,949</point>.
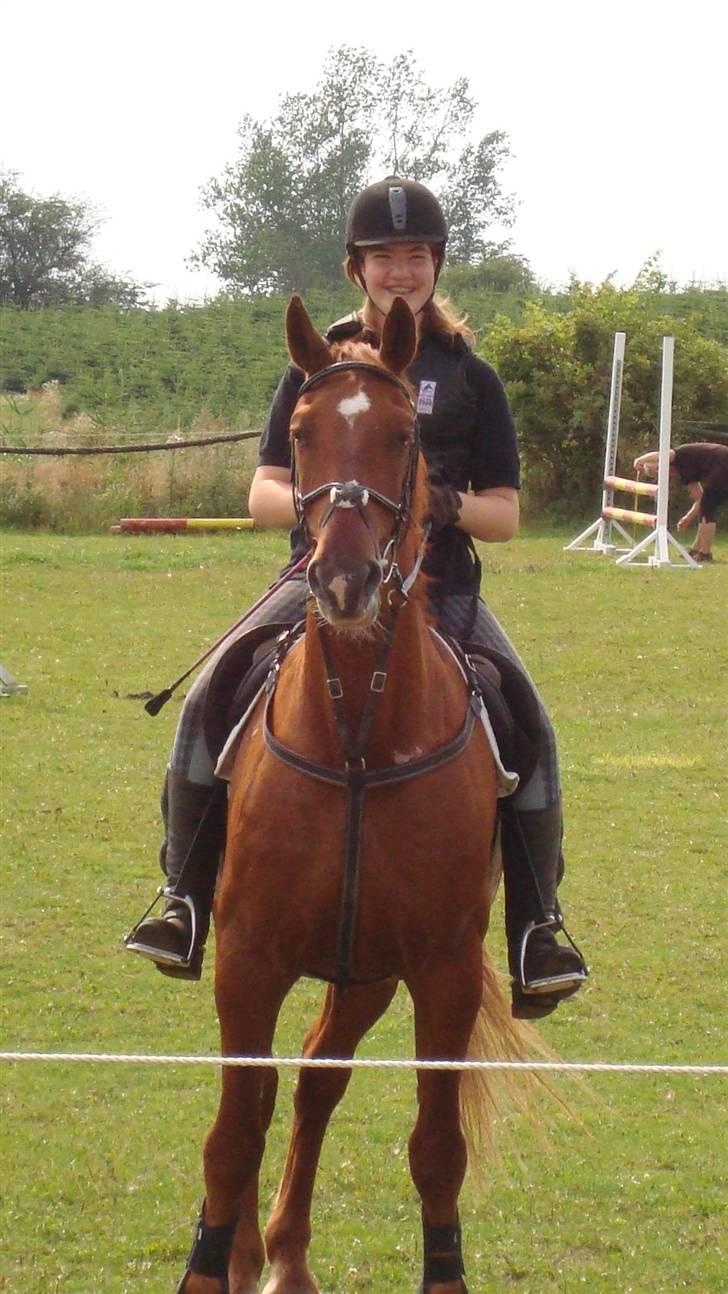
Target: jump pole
<point>602,528</point>
<point>179,525</point>
<point>659,535</point>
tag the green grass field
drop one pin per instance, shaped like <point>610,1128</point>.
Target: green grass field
<point>101,1174</point>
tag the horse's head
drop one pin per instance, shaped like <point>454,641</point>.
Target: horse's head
<point>355,455</point>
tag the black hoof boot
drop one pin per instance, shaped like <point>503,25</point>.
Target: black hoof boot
<point>443,1256</point>
<point>210,1253</point>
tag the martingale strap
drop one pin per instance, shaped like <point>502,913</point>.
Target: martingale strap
<point>355,778</point>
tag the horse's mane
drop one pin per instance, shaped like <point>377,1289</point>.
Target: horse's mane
<point>349,348</point>
<point>356,349</point>
<point>365,353</point>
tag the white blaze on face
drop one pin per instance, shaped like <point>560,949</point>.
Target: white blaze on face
<point>354,404</point>
<point>337,588</point>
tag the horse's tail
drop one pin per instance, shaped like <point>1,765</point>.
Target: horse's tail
<point>489,1096</point>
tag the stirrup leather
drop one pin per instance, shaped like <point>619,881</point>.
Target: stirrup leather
<point>570,980</point>
<point>163,955</point>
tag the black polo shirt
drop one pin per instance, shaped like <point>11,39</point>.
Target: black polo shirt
<point>467,434</point>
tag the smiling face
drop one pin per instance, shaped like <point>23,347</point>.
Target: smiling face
<point>399,270</point>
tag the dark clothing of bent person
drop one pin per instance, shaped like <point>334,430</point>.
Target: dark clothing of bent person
<point>703,468</point>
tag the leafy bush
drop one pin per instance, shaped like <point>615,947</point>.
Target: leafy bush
<point>119,374</point>
<point>557,370</point>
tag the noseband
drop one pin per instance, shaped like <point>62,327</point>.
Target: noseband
<point>350,494</point>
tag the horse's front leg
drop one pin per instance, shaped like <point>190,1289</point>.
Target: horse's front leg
<point>446,997</point>
<point>344,1021</point>
<point>228,1253</point>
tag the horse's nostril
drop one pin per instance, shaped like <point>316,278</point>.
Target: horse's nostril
<point>314,580</point>
<point>373,579</point>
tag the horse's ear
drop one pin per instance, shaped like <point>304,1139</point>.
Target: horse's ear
<point>307,349</point>
<point>399,337</point>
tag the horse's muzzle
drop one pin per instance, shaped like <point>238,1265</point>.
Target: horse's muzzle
<point>347,595</point>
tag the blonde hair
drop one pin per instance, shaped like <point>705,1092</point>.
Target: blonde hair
<point>438,316</point>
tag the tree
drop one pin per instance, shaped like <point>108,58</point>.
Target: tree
<point>474,199</point>
<point>281,207</point>
<point>44,253</point>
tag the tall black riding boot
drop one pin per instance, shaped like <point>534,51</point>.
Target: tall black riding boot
<point>195,820</point>
<point>543,970</point>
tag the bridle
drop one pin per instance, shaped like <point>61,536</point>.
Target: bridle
<point>351,494</point>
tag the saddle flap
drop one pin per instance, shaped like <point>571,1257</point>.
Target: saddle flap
<point>511,706</point>
<point>232,681</point>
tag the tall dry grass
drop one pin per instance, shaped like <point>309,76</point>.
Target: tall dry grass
<point>79,494</point>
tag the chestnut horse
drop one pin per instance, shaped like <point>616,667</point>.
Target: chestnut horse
<point>360,831</point>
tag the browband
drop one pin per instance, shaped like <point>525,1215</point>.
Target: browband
<point>343,364</point>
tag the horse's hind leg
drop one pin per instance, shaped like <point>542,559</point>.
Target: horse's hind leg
<point>344,1021</point>
<point>446,999</point>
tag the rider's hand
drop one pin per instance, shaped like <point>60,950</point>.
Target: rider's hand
<point>444,505</point>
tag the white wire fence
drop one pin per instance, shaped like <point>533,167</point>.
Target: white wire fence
<point>311,1062</point>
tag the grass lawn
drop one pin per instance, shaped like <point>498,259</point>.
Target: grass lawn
<point>101,1176</point>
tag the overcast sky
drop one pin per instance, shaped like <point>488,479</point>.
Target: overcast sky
<point>616,115</point>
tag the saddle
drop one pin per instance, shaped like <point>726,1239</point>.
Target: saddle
<point>237,679</point>
<point>508,700</point>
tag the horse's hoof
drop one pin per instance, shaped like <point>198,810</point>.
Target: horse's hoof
<point>429,1288</point>
<point>224,1288</point>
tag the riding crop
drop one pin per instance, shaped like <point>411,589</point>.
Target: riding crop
<point>154,705</point>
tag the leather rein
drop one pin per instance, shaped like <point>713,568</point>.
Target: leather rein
<point>354,777</point>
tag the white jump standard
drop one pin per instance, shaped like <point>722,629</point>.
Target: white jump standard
<point>611,516</point>
<point>601,529</point>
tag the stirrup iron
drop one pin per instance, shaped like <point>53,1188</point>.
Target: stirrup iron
<point>163,956</point>
<point>570,980</point>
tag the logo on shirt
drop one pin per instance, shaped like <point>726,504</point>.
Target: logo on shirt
<point>426,397</point>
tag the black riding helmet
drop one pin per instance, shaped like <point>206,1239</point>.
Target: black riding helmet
<point>394,211</point>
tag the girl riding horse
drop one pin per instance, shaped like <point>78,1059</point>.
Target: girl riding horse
<point>395,243</point>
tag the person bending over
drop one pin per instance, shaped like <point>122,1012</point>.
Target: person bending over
<point>703,468</point>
